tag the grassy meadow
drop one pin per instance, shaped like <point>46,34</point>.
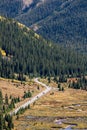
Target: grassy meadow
<point>55,110</point>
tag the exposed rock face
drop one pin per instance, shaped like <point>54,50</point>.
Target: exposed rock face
<point>27,3</point>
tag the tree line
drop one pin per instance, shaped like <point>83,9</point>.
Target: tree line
<point>80,84</point>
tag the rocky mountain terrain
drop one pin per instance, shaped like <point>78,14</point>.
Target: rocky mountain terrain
<point>62,21</point>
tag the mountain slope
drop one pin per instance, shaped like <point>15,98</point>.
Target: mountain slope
<point>67,26</point>
<point>62,21</point>
<point>13,8</point>
<point>10,8</point>
<point>24,52</point>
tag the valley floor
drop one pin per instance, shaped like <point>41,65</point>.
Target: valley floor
<point>56,110</point>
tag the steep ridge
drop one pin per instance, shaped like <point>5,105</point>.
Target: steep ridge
<point>62,21</point>
<point>24,52</point>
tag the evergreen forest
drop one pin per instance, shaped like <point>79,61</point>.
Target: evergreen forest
<point>24,52</point>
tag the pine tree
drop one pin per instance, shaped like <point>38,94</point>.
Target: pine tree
<point>62,89</point>
<point>6,99</point>
<point>1,121</point>
<point>1,101</point>
<point>49,79</point>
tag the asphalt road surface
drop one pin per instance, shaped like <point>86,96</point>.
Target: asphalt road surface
<point>33,99</point>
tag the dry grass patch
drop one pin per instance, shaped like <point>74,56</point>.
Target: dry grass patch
<point>70,105</point>
<point>16,88</point>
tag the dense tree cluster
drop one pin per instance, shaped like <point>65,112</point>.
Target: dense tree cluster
<point>10,8</point>
<point>53,19</point>
<point>80,84</point>
<point>6,105</point>
<point>27,53</point>
<point>27,94</point>
<point>22,110</point>
<point>5,120</point>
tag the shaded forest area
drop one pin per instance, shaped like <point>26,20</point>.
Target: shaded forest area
<point>28,53</point>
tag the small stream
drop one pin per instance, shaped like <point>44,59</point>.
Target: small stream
<point>61,121</point>
<point>69,127</point>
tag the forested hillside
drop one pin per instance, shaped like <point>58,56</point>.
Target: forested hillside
<point>62,21</point>
<point>24,52</point>
<point>67,24</point>
<point>10,8</point>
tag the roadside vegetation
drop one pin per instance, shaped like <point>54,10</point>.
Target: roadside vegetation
<point>58,109</point>
<point>14,93</point>
<point>63,104</point>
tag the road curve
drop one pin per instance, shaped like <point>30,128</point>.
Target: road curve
<point>33,99</point>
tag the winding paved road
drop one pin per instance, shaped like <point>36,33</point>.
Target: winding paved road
<point>33,99</point>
